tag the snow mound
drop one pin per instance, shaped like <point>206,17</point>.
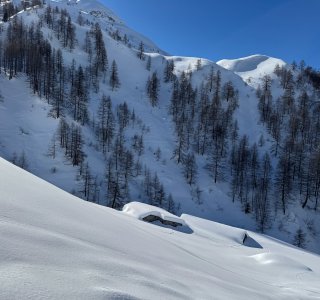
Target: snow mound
<point>252,68</point>
<point>250,63</point>
<point>141,210</point>
<point>279,260</point>
<point>244,64</point>
<point>214,231</point>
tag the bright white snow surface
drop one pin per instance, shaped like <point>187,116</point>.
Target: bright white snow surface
<point>56,246</point>
<point>252,68</point>
<point>141,210</point>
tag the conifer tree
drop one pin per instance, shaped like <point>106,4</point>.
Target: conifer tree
<point>148,65</point>
<point>300,239</point>
<point>168,71</point>
<point>79,98</point>
<point>199,64</point>
<point>106,123</point>
<point>100,63</point>
<point>114,77</point>
<point>190,168</point>
<point>153,86</point>
<point>141,51</point>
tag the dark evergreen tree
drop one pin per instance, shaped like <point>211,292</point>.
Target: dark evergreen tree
<point>300,239</point>
<point>58,92</point>
<point>168,71</point>
<point>137,144</point>
<point>100,61</point>
<point>106,123</point>
<point>123,114</point>
<point>148,65</point>
<point>265,99</point>
<point>190,168</point>
<point>114,78</point>
<point>79,98</point>
<point>80,19</point>
<point>153,86</point>
<point>283,179</point>
<point>199,64</point>
<point>171,205</point>
<point>141,51</point>
<point>263,193</point>
<point>114,195</point>
<point>89,185</point>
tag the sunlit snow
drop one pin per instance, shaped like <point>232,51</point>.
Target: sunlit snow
<point>55,246</point>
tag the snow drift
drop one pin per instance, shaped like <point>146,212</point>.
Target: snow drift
<point>253,67</point>
<point>56,246</point>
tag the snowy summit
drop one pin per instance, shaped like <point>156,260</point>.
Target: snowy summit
<point>252,67</point>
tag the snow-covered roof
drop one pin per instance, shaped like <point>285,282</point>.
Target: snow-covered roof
<point>141,210</point>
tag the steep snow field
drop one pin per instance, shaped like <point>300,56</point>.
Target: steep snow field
<point>26,128</point>
<point>55,246</point>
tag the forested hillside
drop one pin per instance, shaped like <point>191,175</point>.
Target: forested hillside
<point>100,111</point>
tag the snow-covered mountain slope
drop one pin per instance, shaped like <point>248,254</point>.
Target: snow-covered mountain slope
<point>27,129</point>
<point>20,133</point>
<point>100,13</point>
<point>252,68</point>
<point>218,107</point>
<point>56,246</point>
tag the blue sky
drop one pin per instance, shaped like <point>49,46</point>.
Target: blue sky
<point>287,29</point>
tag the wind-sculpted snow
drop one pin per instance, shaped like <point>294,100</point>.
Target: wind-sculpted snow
<point>243,64</point>
<point>56,246</point>
<point>252,68</point>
